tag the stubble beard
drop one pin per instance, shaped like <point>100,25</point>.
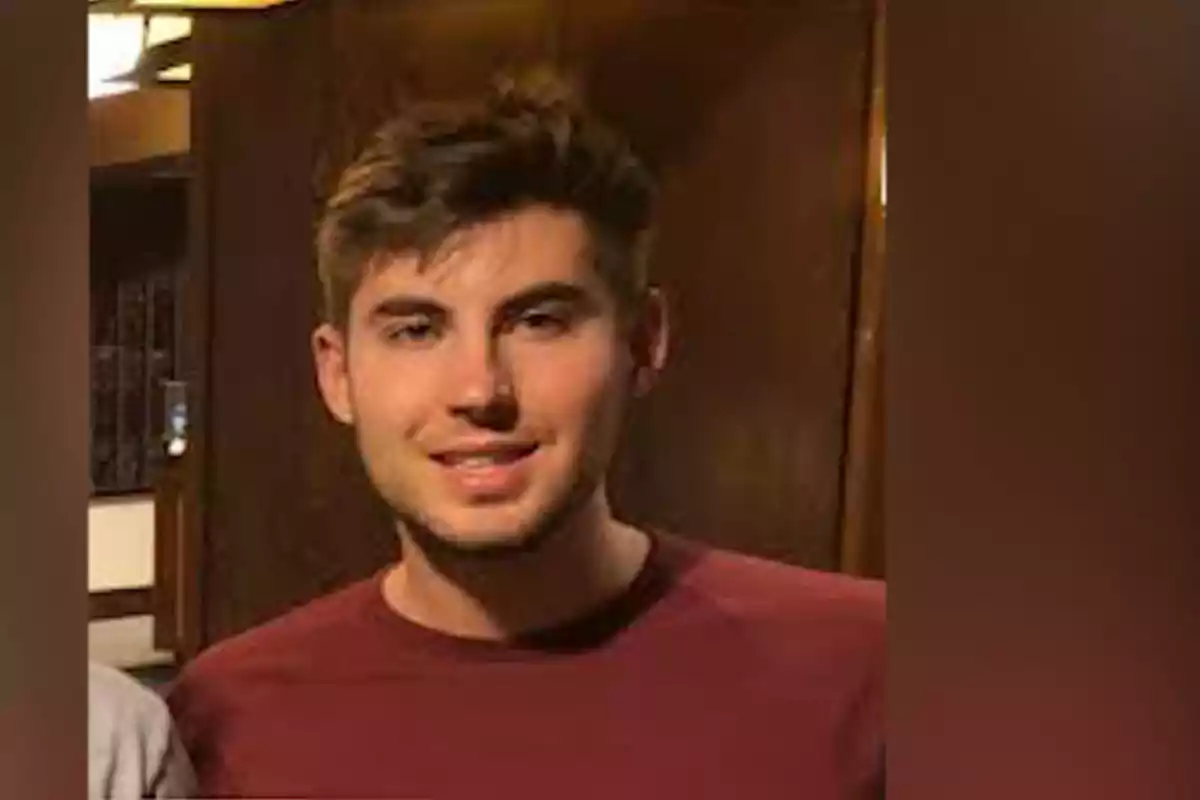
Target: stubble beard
<point>447,551</point>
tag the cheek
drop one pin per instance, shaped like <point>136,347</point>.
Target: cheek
<point>385,397</point>
<point>574,392</point>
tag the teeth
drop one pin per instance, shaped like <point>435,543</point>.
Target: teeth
<point>485,459</point>
<point>477,461</point>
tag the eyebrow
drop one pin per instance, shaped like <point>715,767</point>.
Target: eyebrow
<point>546,292</point>
<point>405,306</point>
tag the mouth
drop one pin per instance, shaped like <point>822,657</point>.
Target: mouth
<point>484,457</point>
<point>491,472</point>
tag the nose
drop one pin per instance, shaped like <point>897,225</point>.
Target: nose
<point>480,385</point>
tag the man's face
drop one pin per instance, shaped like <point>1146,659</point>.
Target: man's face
<point>487,388</point>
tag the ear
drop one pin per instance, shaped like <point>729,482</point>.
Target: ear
<point>333,377</point>
<point>650,341</point>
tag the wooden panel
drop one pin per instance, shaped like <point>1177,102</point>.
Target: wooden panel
<point>195,355</point>
<point>754,117</point>
<point>166,598</point>
<point>265,541</point>
<point>136,225</point>
<point>139,125</point>
<point>862,545</point>
<point>385,54</point>
<point>116,603</point>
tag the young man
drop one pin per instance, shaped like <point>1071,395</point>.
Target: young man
<point>133,751</point>
<point>488,320</point>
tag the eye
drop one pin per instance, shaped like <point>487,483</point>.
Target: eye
<point>540,320</point>
<point>545,321</point>
<point>420,330</point>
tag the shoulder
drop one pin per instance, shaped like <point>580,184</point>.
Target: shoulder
<point>118,704</point>
<point>838,612</point>
<point>814,635</point>
<point>132,747</point>
<point>299,640</point>
<point>251,669</point>
<point>751,583</point>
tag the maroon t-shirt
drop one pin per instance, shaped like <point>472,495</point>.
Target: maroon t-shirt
<point>715,676</point>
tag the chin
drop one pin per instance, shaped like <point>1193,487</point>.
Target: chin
<point>450,529</point>
<point>483,537</point>
<point>496,536</point>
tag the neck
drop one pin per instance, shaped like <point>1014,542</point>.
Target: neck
<point>592,559</point>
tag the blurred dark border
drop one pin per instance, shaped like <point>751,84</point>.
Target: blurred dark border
<point>1043,387</point>
<point>43,400</point>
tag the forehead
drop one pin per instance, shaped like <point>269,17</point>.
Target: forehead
<point>490,261</point>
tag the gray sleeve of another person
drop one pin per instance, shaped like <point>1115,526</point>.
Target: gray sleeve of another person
<point>133,749</point>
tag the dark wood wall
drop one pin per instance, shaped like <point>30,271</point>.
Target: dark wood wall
<point>278,509</point>
<point>754,114</point>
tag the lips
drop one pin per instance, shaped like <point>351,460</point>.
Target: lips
<point>480,457</point>
<point>486,473</point>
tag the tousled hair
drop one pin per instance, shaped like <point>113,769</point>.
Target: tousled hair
<point>438,169</point>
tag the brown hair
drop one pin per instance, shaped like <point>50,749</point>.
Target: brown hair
<point>440,168</point>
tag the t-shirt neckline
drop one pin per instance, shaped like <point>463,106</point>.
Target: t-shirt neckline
<point>583,634</point>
